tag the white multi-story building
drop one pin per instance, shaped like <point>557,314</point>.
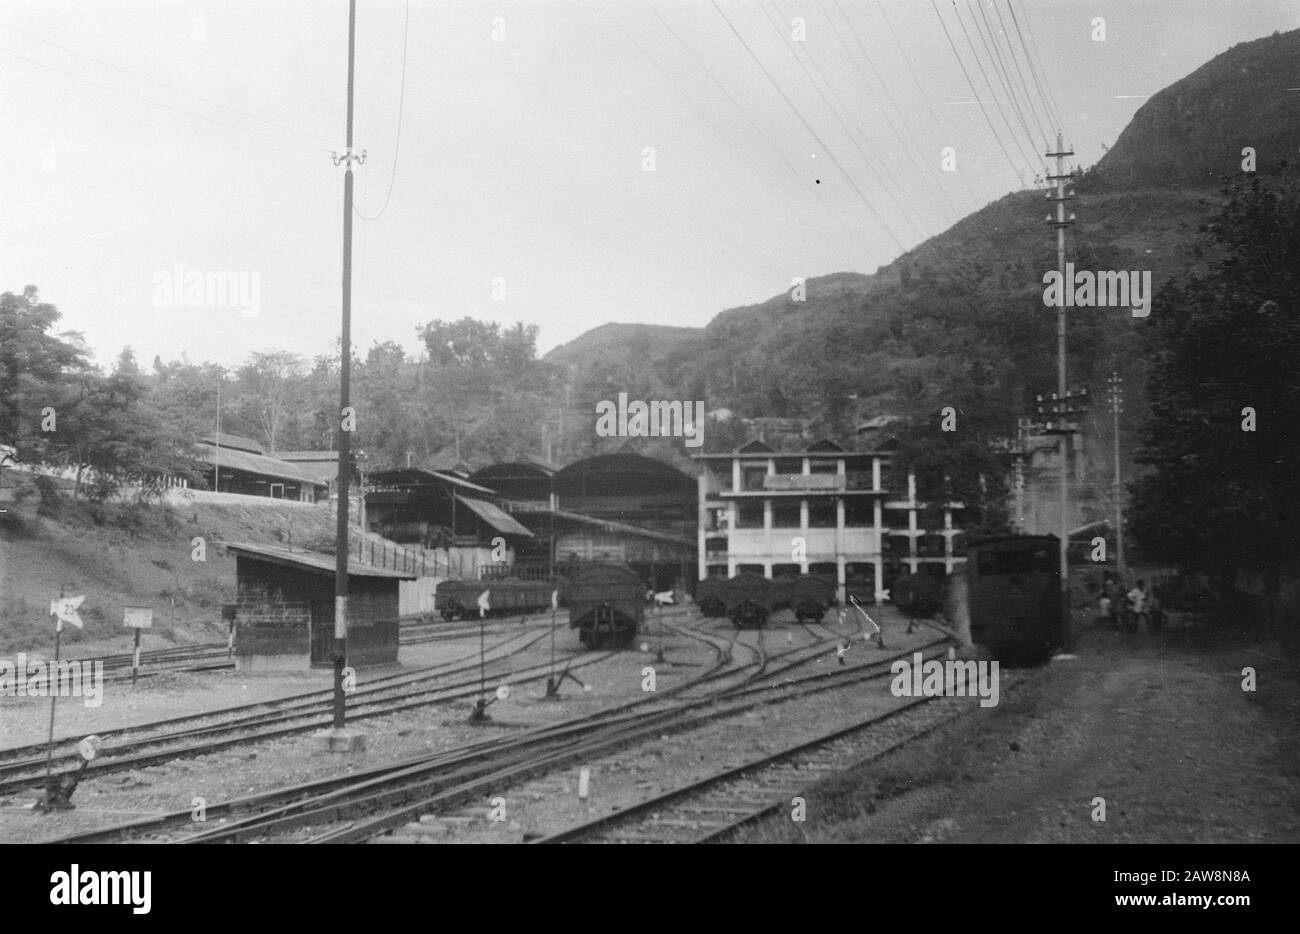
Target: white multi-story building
<point>818,510</point>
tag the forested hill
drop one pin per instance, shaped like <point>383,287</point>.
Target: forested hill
<point>966,305</point>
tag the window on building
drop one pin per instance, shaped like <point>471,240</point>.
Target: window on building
<point>751,478</point>
<point>860,478</point>
<point>713,546</point>
<point>858,511</point>
<point>821,514</point>
<point>277,491</point>
<point>716,570</point>
<point>787,465</point>
<point>785,570</point>
<point>785,514</point>
<point>898,546</point>
<point>930,546</point>
<point>959,545</point>
<point>749,514</point>
<point>860,571</point>
<point>749,569</point>
<point>825,568</point>
<point>823,467</point>
<point>896,519</point>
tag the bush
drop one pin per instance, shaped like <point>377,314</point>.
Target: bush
<point>51,500</point>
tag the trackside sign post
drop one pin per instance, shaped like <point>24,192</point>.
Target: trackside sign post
<point>137,618</point>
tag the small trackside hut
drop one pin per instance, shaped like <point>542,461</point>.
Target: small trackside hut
<point>284,617</point>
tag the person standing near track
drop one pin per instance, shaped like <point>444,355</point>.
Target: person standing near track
<point>1137,598</point>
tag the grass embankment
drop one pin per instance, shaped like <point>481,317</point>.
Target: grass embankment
<point>123,554</point>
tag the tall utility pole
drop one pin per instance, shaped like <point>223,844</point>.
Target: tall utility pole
<point>1060,223</point>
<point>1116,407</point>
<point>341,548</point>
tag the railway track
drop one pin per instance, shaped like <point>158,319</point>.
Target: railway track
<point>712,808</point>
<point>196,734</point>
<point>384,791</point>
<point>381,806</point>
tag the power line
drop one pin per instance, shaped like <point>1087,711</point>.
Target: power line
<point>744,113</point>
<point>815,135</point>
<point>173,89</point>
<point>1020,73</point>
<point>1001,70</point>
<point>691,103</point>
<point>1044,89</point>
<point>992,91</point>
<point>917,151</point>
<point>971,84</point>
<point>401,101</point>
<point>920,87</point>
<point>148,100</point>
<point>893,182</point>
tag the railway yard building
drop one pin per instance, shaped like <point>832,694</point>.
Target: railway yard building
<point>820,509</point>
<point>285,609</point>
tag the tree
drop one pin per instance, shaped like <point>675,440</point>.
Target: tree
<point>1223,434</point>
<point>37,367</point>
<point>269,393</point>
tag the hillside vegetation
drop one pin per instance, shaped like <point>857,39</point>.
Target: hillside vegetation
<point>127,554</point>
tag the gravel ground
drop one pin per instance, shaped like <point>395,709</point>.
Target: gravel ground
<point>1157,726</point>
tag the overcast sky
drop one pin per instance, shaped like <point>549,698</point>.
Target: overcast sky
<point>138,136</point>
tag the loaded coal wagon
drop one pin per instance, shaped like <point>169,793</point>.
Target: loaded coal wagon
<point>606,604</point>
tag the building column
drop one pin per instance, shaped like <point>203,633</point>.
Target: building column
<point>912,526</point>
<point>878,510</point>
<point>840,580</point>
<point>803,529</point>
<point>702,523</point>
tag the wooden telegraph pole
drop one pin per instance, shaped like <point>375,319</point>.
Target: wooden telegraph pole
<point>1061,223</point>
<point>345,375</point>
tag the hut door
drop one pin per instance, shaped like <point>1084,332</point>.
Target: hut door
<point>322,633</point>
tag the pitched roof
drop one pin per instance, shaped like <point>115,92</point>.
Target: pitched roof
<point>495,517</point>
<point>225,440</point>
<point>234,459</point>
<point>314,561</point>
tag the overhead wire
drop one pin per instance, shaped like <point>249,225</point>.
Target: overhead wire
<point>808,126</point>
<point>888,187</point>
<point>1016,169</point>
<point>1036,66</point>
<point>698,111</point>
<point>162,84</point>
<point>925,97</point>
<point>148,100</point>
<point>999,67</point>
<point>745,113</point>
<point>397,143</point>
<point>1035,103</point>
<point>1011,130</point>
<point>917,152</point>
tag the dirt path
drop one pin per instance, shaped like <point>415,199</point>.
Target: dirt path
<point>1157,726</point>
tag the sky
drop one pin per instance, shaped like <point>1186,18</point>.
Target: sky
<point>564,164</point>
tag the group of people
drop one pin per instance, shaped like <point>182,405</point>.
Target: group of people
<point>1131,609</point>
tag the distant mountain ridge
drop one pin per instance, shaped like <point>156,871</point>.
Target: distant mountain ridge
<point>967,303</point>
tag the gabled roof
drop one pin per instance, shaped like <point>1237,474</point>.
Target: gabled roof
<point>224,440</point>
<point>418,477</point>
<point>499,519</point>
<point>234,459</point>
<point>824,445</point>
<point>313,561</point>
<point>754,447</point>
<point>307,456</point>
